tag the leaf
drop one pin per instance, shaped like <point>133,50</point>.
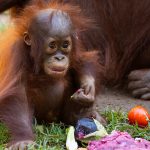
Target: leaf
<point>71,143</point>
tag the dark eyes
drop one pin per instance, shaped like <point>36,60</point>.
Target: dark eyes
<point>52,45</point>
<point>65,44</point>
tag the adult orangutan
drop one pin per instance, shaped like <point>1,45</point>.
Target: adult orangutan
<point>122,38</point>
<point>36,63</point>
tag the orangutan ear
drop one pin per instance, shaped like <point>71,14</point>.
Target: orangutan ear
<point>27,38</point>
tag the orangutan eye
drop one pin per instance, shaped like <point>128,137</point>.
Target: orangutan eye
<point>65,44</point>
<point>52,45</point>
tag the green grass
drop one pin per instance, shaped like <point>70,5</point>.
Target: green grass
<point>117,120</point>
<point>3,135</point>
<point>53,136</point>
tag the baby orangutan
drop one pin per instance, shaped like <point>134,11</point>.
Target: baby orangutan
<point>42,58</point>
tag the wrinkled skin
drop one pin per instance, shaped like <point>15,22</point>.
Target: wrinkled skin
<point>139,83</point>
<point>86,94</point>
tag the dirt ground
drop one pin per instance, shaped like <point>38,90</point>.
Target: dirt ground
<point>108,98</point>
<point>119,99</point>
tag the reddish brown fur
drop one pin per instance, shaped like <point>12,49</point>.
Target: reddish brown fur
<point>122,35</point>
<point>23,92</point>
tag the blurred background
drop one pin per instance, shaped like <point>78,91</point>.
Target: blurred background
<point>4,21</point>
